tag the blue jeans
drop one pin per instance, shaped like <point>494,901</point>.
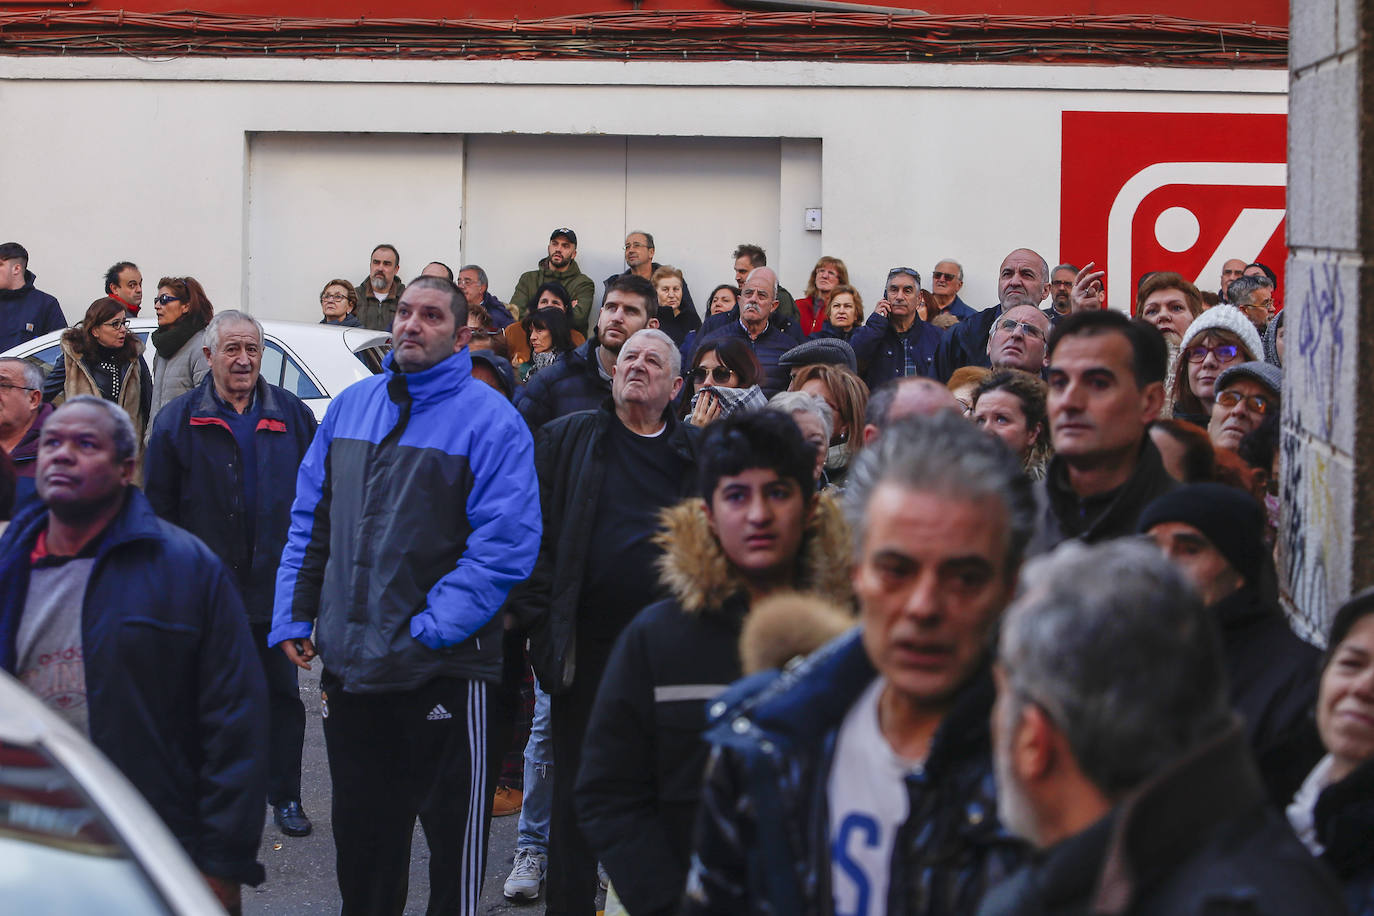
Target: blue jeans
<point>537,804</point>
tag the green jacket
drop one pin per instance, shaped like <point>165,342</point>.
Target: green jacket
<point>580,288</point>
<point>375,313</point>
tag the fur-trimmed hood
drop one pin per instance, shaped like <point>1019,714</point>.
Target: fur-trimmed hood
<point>701,578</point>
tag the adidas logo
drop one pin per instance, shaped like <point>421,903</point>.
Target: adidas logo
<point>438,712</point>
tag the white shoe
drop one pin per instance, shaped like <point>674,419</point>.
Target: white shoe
<point>526,878</point>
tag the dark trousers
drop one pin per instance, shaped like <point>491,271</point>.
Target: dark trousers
<point>571,883</point>
<point>391,756</point>
<point>286,719</point>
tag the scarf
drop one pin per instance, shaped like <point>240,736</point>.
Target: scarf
<point>169,339</point>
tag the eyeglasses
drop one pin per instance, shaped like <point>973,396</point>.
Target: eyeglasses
<point>941,275</point>
<point>117,324</point>
<point>1011,324</point>
<point>6,386</point>
<point>333,297</point>
<point>1223,352</point>
<point>720,374</point>
<point>1259,403</point>
<point>164,299</point>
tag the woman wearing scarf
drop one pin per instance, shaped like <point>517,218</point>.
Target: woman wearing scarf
<point>183,311</point>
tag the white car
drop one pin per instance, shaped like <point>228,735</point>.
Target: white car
<point>312,361</point>
<point>75,836</point>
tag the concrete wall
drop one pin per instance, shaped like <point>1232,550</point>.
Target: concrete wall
<point>1328,432</point>
<point>153,160</point>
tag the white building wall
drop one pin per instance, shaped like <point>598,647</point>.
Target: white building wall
<point>153,161</point>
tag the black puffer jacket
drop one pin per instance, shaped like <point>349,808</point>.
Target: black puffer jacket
<point>1345,827</point>
<point>569,458</point>
<point>640,781</point>
<point>761,840</point>
<point>571,384</point>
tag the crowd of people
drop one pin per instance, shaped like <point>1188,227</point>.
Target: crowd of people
<point>786,605</point>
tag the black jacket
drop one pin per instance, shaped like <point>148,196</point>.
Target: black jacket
<point>1345,825</point>
<point>26,313</point>
<point>1198,839</point>
<point>1273,677</point>
<point>762,843</point>
<point>882,358</point>
<point>176,694</point>
<point>571,384</point>
<point>640,781</point>
<point>569,458</point>
<point>1062,515</point>
<point>194,478</point>
<point>966,344</point>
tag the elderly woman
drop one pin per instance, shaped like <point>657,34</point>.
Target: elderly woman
<point>813,417</point>
<point>724,378</point>
<point>1333,812</point>
<point>183,311</point>
<point>1218,338</point>
<point>1010,404</point>
<point>847,397</point>
<point>674,318</point>
<point>338,301</point>
<point>845,312</point>
<point>100,357</point>
<point>828,274</point>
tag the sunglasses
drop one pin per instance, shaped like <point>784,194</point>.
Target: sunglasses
<point>1223,352</point>
<point>1011,324</point>
<point>1256,402</point>
<point>164,299</point>
<point>720,374</point>
<point>941,275</point>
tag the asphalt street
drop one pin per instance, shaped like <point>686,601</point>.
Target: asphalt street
<point>300,871</point>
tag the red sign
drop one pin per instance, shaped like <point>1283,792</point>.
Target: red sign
<point>1184,192</point>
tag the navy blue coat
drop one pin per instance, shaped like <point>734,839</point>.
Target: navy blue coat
<point>175,691</point>
<point>26,313</point>
<point>881,355</point>
<point>194,478</point>
<point>571,384</point>
<point>966,344</point>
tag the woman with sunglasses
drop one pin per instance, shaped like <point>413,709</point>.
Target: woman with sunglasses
<point>1217,339</point>
<point>183,311</point>
<point>338,302</point>
<point>724,378</point>
<point>101,358</point>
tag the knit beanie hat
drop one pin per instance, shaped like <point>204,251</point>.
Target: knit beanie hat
<point>1226,318</point>
<point>1228,517</point>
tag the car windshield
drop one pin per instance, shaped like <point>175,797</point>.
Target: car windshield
<point>57,852</point>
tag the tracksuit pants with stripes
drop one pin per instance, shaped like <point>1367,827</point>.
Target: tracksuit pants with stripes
<point>397,756</point>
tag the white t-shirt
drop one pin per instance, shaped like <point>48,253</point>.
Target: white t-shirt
<point>868,805</point>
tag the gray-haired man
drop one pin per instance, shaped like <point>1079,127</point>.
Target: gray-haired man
<point>1117,753</point>
<point>863,777</point>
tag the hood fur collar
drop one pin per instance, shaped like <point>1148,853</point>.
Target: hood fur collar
<point>701,578</point>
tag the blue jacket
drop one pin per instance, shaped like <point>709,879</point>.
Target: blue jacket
<point>762,836</point>
<point>768,347</point>
<point>194,478</point>
<point>966,344</point>
<point>26,313</point>
<point>414,517</point>
<point>881,355</point>
<point>500,315</point>
<point>961,309</point>
<point>571,384</point>
<point>176,695</point>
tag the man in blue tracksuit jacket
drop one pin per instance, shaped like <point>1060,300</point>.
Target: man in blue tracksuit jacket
<point>414,517</point>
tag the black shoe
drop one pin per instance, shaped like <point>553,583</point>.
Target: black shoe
<point>291,819</point>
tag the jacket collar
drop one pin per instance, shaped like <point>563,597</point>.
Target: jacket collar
<point>437,383</point>
<point>1103,515</point>
<point>207,403</point>
<point>27,449</point>
<point>29,279</point>
<point>695,569</point>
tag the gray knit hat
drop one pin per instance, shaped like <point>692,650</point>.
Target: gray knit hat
<point>1225,318</point>
<point>1270,377</point>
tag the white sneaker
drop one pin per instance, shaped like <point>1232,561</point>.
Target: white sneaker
<point>526,879</point>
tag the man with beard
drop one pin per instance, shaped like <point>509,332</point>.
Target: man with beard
<point>124,284</point>
<point>1018,340</point>
<point>1118,756</point>
<point>1023,279</point>
<point>560,266</point>
<point>381,291</point>
<point>1061,282</point>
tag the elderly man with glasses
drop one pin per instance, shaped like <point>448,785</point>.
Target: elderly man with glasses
<point>1018,340</point>
<point>1246,394</point>
<point>22,412</point>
